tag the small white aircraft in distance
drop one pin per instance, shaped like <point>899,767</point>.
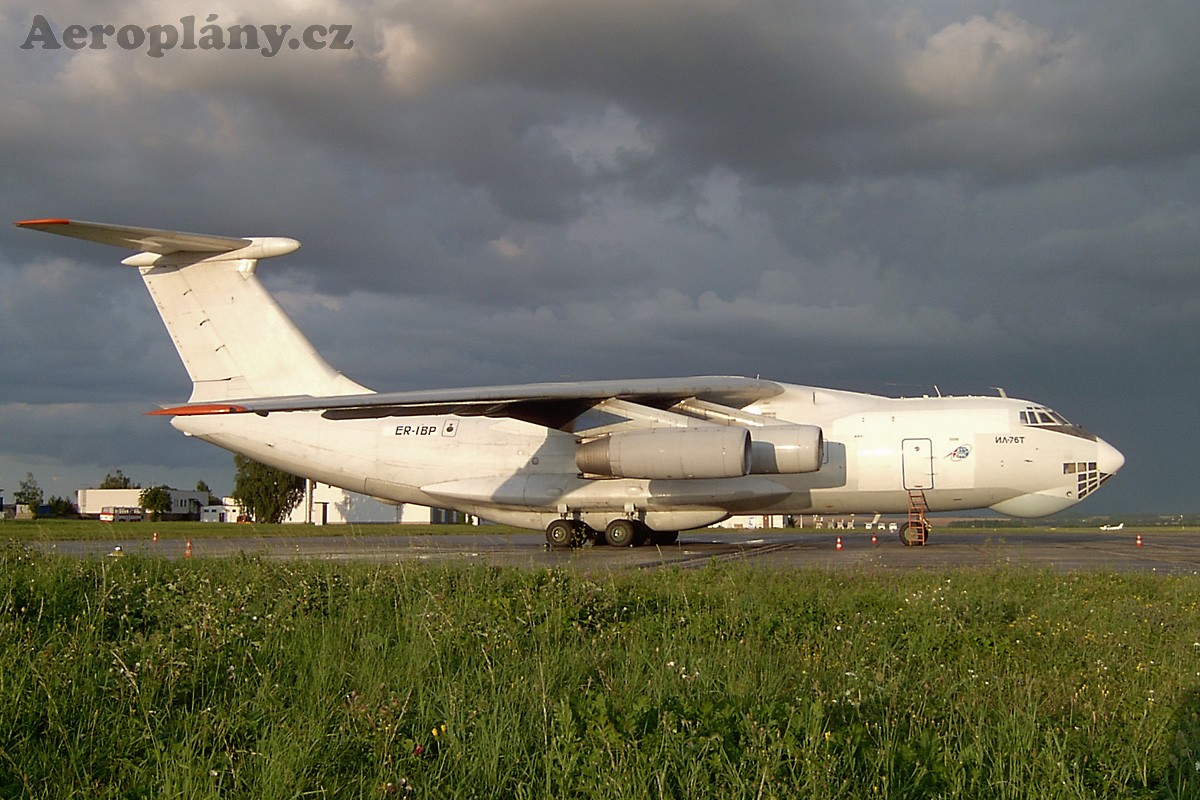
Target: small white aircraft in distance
<point>618,462</point>
<point>1112,527</point>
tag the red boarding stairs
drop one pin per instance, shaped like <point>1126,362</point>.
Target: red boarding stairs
<point>917,526</point>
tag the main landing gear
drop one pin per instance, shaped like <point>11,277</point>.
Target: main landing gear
<point>621,532</point>
<point>560,533</point>
<point>624,533</point>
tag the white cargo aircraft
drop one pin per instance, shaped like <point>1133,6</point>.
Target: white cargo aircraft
<point>620,462</point>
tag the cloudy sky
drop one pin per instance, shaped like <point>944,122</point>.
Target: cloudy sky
<point>880,196</point>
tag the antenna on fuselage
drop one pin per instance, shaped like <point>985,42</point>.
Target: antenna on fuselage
<point>1000,389</point>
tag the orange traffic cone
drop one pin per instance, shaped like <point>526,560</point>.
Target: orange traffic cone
<point>187,553</point>
<point>156,536</point>
<point>1139,540</point>
<point>839,543</point>
<point>874,539</point>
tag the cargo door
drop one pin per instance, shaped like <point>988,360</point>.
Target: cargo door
<point>917,463</point>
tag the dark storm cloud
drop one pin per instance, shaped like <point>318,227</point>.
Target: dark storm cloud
<point>713,83</point>
<point>877,196</point>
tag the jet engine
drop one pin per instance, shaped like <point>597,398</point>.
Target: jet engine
<point>668,453</point>
<point>786,449</point>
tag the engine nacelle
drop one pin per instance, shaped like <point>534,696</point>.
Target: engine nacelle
<point>786,449</point>
<point>668,453</point>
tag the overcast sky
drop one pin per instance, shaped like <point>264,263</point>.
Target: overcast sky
<point>877,196</point>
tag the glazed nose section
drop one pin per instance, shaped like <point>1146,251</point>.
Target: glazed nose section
<point>1108,458</point>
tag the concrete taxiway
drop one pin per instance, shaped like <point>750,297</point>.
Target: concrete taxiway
<point>1160,551</point>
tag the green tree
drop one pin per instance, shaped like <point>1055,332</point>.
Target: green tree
<point>29,494</point>
<point>156,500</point>
<point>62,507</point>
<point>213,500</point>
<point>117,480</point>
<point>268,494</point>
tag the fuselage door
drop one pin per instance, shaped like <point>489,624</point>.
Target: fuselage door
<point>917,463</point>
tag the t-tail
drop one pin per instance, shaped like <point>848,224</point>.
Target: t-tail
<point>234,339</point>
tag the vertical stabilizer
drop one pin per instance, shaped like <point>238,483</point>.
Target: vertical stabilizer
<point>234,339</point>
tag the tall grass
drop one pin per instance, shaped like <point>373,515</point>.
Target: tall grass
<point>248,678</point>
<point>26,530</point>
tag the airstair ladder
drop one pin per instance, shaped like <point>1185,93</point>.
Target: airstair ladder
<point>916,516</point>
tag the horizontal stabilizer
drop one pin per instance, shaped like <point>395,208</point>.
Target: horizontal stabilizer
<point>147,240</point>
<point>234,339</point>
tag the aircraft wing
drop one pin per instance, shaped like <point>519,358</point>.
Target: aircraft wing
<point>554,405</point>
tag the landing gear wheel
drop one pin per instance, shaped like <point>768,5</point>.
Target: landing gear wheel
<point>914,534</point>
<point>663,538</point>
<point>560,533</point>
<point>621,533</point>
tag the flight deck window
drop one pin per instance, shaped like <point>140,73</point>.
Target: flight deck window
<point>1043,418</point>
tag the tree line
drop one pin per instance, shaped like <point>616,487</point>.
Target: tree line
<point>267,494</point>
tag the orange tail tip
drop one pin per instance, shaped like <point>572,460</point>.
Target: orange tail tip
<point>197,410</point>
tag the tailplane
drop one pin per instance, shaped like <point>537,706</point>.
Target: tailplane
<point>234,339</point>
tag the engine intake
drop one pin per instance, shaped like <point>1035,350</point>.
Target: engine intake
<point>786,449</point>
<point>668,453</point>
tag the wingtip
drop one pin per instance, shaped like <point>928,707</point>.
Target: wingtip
<point>33,223</point>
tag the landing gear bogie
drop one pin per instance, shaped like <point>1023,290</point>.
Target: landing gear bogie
<point>564,533</point>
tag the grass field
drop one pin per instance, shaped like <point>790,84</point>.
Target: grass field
<point>87,529</point>
<point>90,529</point>
<point>245,678</point>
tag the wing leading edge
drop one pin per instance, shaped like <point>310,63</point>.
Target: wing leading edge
<point>551,404</point>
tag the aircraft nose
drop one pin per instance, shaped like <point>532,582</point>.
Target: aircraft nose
<point>1108,458</point>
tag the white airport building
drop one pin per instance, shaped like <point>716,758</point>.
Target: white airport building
<point>329,505</point>
<point>92,502</point>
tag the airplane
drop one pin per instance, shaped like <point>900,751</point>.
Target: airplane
<point>1112,527</point>
<point>616,462</point>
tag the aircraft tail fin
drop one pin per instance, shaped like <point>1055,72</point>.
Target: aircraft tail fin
<point>234,339</point>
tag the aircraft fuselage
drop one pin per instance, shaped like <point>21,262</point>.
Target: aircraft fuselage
<point>960,452</point>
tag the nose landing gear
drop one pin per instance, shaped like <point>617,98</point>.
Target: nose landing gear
<point>914,532</point>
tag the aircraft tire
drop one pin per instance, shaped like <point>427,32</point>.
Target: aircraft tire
<point>663,538</point>
<point>621,533</point>
<point>912,540</point>
<point>560,533</point>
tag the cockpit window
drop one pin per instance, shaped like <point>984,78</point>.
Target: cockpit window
<point>1042,417</point>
